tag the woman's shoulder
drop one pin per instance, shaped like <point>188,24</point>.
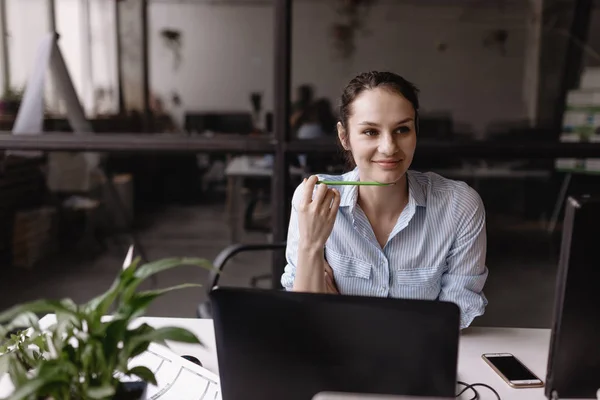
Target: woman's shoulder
<point>456,190</point>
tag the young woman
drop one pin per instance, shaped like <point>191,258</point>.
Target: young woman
<point>422,237</point>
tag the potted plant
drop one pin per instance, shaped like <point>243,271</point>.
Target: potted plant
<point>86,355</point>
<point>11,101</point>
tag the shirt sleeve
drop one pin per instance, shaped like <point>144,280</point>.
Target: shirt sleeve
<point>291,251</point>
<point>466,271</point>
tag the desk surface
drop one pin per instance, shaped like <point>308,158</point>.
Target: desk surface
<point>246,166</point>
<point>529,345</point>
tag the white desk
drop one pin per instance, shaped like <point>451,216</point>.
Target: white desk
<point>529,345</point>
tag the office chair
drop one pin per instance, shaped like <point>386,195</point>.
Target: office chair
<point>259,191</point>
<point>204,309</point>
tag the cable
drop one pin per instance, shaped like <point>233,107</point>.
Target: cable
<point>467,387</point>
<point>472,388</point>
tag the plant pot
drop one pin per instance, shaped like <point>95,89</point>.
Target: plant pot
<point>131,391</point>
<point>9,107</point>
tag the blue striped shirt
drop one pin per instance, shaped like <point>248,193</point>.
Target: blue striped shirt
<point>435,251</point>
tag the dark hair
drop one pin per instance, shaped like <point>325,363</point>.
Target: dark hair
<point>372,80</point>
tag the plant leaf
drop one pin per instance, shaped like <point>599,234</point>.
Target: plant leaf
<point>17,372</point>
<point>139,302</point>
<point>137,349</point>
<point>5,359</point>
<point>27,389</point>
<point>160,292</point>
<point>175,334</point>
<point>98,393</point>
<point>155,267</point>
<point>143,373</point>
<point>102,303</point>
<point>38,307</point>
<point>130,349</point>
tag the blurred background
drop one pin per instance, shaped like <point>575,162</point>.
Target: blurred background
<point>494,75</point>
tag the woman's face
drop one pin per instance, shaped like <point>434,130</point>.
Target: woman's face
<point>381,135</point>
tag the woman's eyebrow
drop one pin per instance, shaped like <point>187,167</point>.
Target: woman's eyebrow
<point>368,123</point>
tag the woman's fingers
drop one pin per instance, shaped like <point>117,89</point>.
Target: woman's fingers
<point>335,204</point>
<point>309,187</point>
<point>320,195</point>
<point>327,200</point>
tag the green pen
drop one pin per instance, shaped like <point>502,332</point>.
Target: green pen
<point>354,183</point>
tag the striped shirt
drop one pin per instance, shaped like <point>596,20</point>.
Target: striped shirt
<point>436,250</point>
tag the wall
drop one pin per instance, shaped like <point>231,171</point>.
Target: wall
<point>28,23</point>
<point>228,52</point>
<point>24,38</point>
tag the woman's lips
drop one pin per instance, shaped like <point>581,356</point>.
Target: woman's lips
<point>387,164</point>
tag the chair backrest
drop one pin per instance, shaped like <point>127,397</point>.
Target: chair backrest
<point>227,253</point>
<point>204,310</point>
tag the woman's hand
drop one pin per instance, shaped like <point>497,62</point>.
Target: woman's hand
<point>316,216</point>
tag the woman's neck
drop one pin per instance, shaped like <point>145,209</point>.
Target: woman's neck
<point>384,201</point>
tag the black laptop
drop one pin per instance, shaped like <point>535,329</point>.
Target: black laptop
<point>275,345</point>
<point>574,359</point>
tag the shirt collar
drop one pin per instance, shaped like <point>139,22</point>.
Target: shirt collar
<point>416,190</point>
<point>349,194</point>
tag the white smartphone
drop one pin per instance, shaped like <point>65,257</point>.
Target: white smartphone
<point>512,371</point>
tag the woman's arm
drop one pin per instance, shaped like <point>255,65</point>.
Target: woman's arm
<point>466,273</point>
<point>310,272</point>
<point>311,222</point>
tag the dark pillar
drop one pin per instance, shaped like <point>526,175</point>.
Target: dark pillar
<point>565,26</point>
<point>132,42</point>
<point>4,54</point>
<point>281,178</point>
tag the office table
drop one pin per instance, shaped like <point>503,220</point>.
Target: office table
<point>529,345</point>
<point>236,171</point>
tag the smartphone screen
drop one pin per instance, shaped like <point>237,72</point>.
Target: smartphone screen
<point>511,368</point>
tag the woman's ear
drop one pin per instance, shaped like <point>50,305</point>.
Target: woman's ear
<point>343,136</point>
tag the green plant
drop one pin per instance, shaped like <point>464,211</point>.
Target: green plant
<point>85,354</point>
<point>13,95</point>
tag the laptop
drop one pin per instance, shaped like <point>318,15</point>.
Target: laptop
<point>574,357</point>
<point>356,396</point>
<point>274,345</point>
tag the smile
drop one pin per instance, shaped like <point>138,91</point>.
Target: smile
<point>387,163</point>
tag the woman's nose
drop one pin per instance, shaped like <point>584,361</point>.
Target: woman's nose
<point>387,144</point>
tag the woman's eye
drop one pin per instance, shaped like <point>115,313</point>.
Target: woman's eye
<point>403,129</point>
<point>370,132</point>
